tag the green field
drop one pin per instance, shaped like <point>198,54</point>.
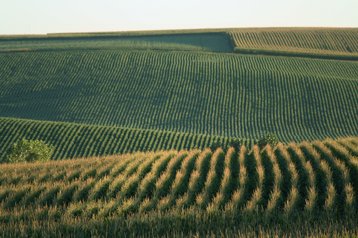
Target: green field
<point>147,193</point>
<point>302,42</point>
<point>215,42</point>
<point>72,140</point>
<point>161,111</point>
<point>207,93</point>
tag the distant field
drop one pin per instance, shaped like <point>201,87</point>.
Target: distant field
<point>316,43</point>
<point>77,140</point>
<point>188,192</point>
<point>205,93</point>
<point>215,42</point>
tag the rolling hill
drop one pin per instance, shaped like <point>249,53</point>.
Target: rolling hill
<point>185,82</point>
<point>174,120</point>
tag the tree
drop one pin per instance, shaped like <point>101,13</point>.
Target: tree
<point>29,151</point>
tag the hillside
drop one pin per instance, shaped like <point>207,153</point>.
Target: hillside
<point>206,41</point>
<point>207,93</point>
<point>73,140</point>
<point>147,193</point>
<point>314,42</point>
<point>191,83</point>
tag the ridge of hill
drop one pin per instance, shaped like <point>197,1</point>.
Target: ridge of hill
<point>327,43</point>
<point>311,42</point>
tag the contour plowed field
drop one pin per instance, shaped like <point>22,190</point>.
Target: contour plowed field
<point>214,94</point>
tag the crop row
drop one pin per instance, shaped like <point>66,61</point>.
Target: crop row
<point>300,189</point>
<point>315,42</point>
<point>77,140</point>
<point>311,177</point>
<point>202,93</point>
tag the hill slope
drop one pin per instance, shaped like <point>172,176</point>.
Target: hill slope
<point>164,189</point>
<point>72,140</point>
<point>216,94</point>
<point>206,41</point>
<point>135,91</point>
<point>305,42</point>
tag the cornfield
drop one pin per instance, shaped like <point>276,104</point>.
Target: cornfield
<point>205,41</point>
<point>305,180</point>
<point>73,140</point>
<point>219,94</point>
<point>303,42</point>
<point>174,133</point>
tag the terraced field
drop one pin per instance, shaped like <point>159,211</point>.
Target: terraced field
<point>311,178</point>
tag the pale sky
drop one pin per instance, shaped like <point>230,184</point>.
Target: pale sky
<point>46,16</point>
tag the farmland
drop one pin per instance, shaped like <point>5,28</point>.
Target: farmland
<point>313,43</point>
<point>73,140</point>
<point>235,96</point>
<point>215,42</point>
<point>317,179</point>
<point>164,133</point>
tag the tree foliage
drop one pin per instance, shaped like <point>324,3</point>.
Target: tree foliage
<point>29,151</point>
